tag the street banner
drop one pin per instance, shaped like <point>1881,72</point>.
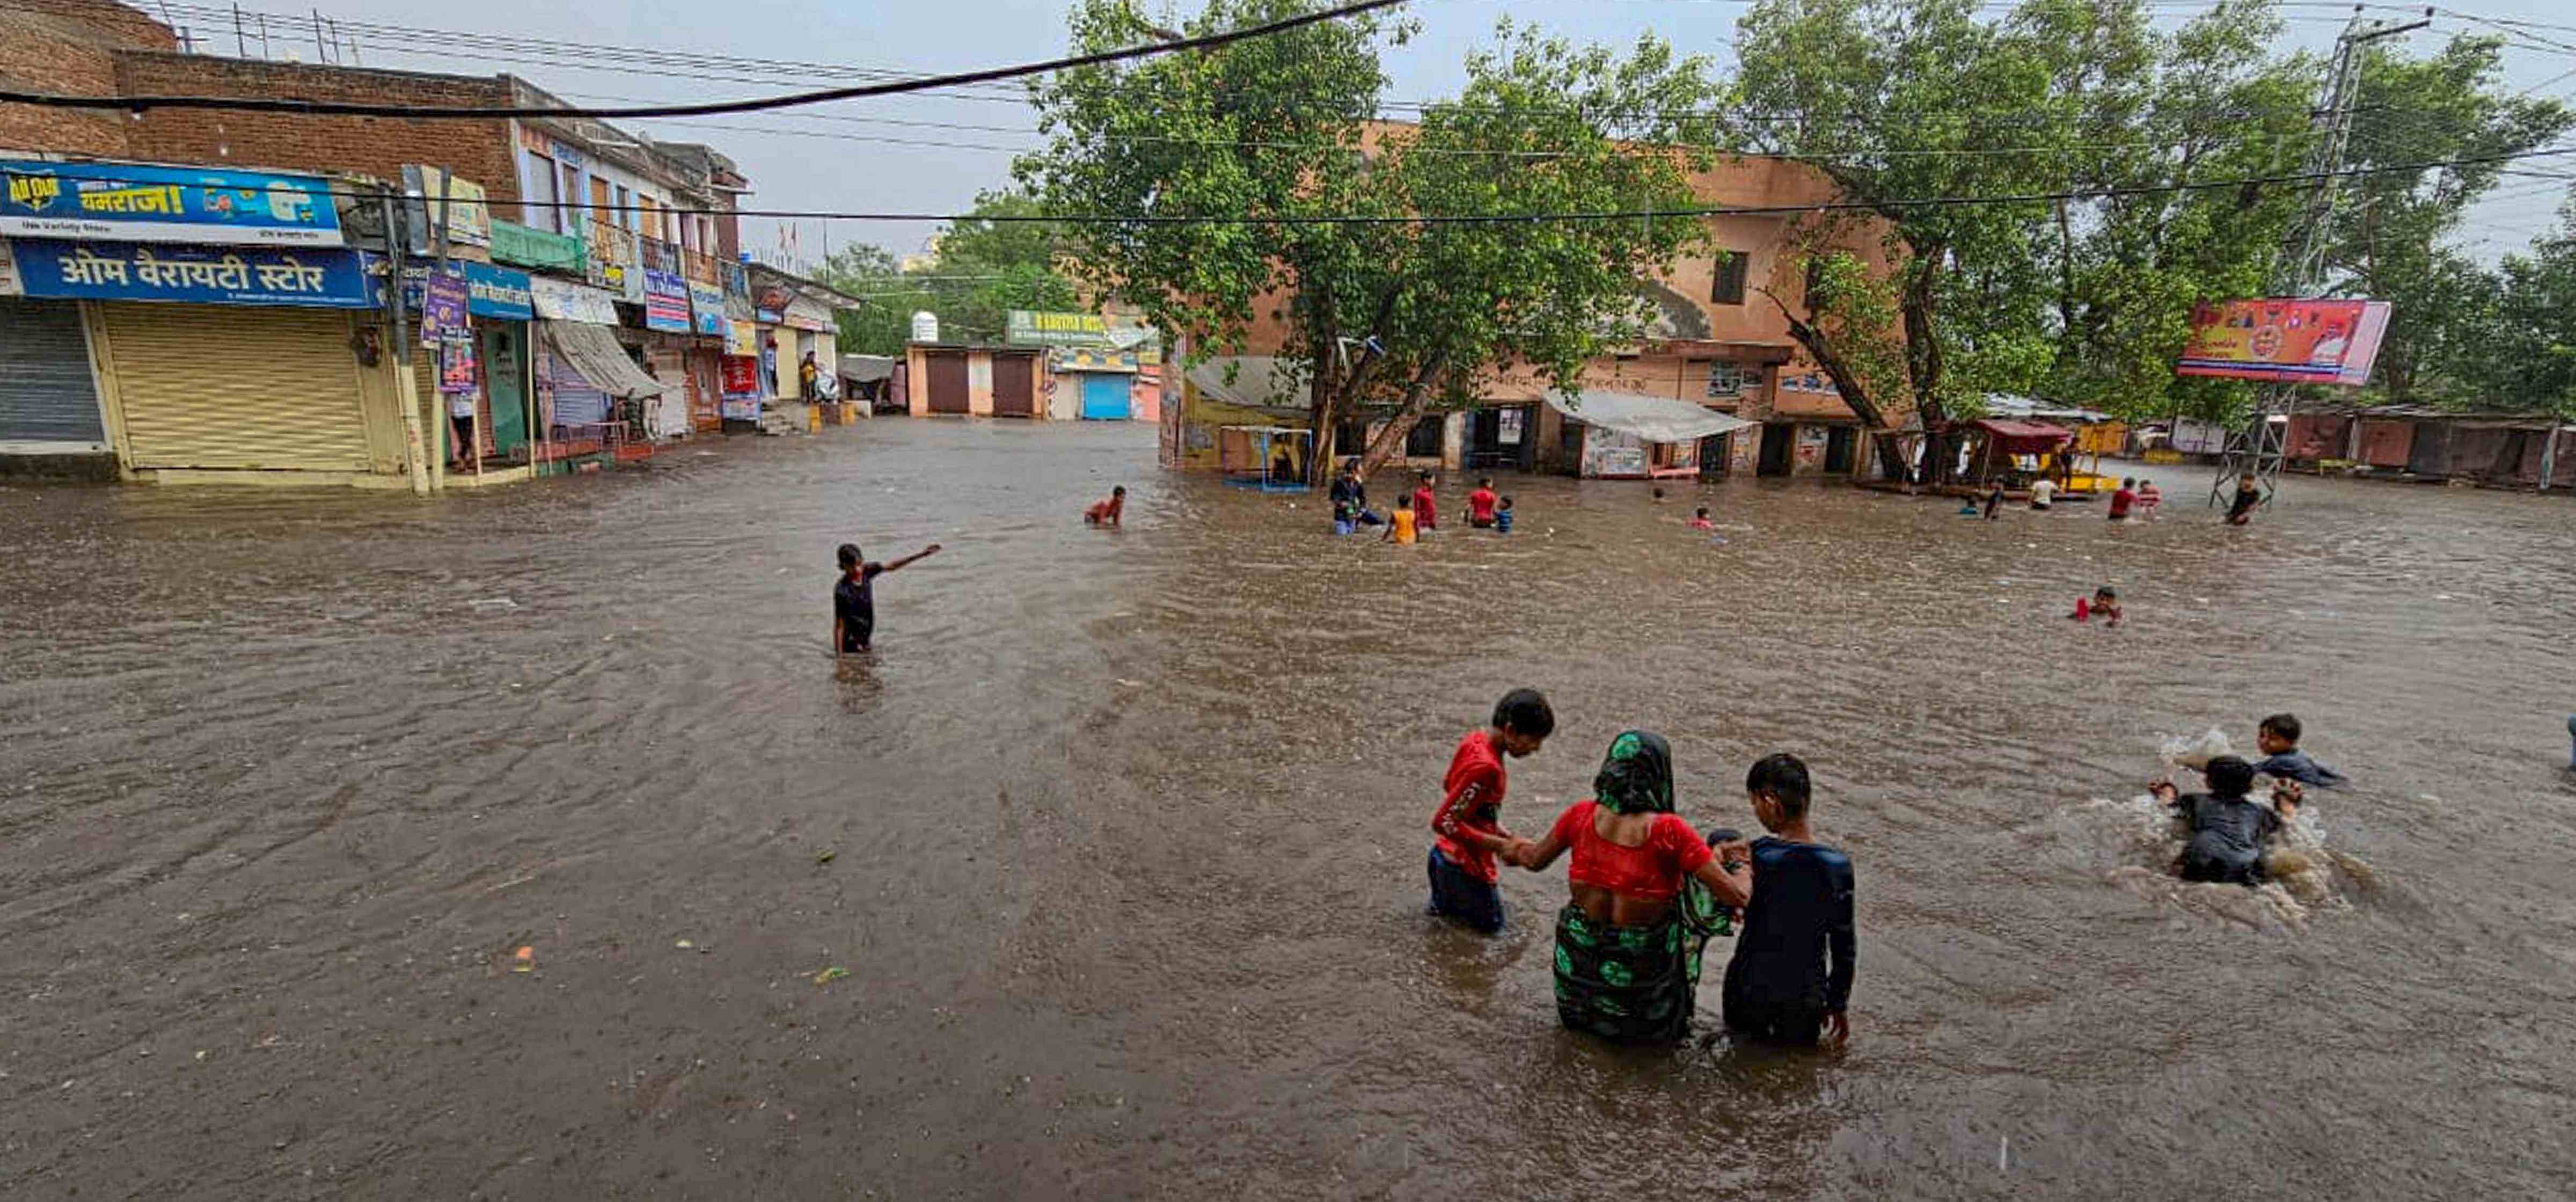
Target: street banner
<point>742,338</point>
<point>707,308</point>
<point>457,366</point>
<point>442,308</point>
<point>132,203</point>
<point>666,302</point>
<point>563,300</point>
<point>318,278</point>
<point>2285,339</point>
<point>490,291</point>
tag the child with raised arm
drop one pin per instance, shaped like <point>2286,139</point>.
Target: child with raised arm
<point>2228,829</point>
<point>854,602</point>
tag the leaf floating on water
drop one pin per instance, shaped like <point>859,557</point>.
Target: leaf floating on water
<point>829,975</point>
<point>826,857</point>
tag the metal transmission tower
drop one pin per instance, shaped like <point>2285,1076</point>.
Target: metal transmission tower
<point>2262,445</point>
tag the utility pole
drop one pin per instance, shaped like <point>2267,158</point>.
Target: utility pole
<point>2260,447</point>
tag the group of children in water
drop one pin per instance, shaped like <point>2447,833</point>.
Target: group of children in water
<point>1646,891</point>
<point>1415,513</point>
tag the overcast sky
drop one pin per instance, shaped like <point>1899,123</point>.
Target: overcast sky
<point>879,156</point>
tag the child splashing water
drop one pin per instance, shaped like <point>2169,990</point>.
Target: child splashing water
<point>2135,842</point>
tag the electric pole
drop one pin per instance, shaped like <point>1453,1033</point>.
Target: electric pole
<point>2260,447</point>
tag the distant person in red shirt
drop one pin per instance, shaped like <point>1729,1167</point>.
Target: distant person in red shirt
<point>1467,830</point>
<point>2124,500</point>
<point>2104,604</point>
<point>1480,504</point>
<point>1105,513</point>
<point>1425,506</point>
<point>2150,497</point>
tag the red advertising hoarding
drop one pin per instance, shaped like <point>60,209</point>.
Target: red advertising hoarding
<point>2285,339</point>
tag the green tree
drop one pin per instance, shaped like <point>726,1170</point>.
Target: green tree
<point>1900,101</point>
<point>1410,309</point>
<point>2392,225</point>
<point>2528,358</point>
<point>984,268</point>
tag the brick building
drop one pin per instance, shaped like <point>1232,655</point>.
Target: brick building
<point>641,232</point>
<point>1721,341</point>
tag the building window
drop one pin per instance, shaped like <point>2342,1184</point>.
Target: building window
<point>1727,285</point>
<point>543,187</point>
<point>625,207</point>
<point>568,218</point>
<point>1423,440</point>
<point>1725,378</point>
<point>599,213</point>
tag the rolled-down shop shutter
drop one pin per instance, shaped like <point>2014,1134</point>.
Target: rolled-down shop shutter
<point>46,392</point>
<point>237,387</point>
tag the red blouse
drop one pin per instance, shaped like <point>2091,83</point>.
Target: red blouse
<point>1651,871</point>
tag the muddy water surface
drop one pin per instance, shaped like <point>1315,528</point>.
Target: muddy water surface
<point>1119,837</point>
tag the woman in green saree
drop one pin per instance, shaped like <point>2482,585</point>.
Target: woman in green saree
<point>1648,892</point>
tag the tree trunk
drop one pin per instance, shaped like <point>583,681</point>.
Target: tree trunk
<point>1923,363</point>
<point>1416,395</point>
<point>1847,384</point>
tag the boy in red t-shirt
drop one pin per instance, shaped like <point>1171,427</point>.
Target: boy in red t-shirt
<point>1106,513</point>
<point>1467,829</point>
<point>1424,504</point>
<point>1480,504</point>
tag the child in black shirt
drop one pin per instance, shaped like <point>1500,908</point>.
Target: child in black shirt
<point>1791,977</point>
<point>854,602</point>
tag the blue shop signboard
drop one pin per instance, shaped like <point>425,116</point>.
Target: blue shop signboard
<point>205,275</point>
<point>491,291</point>
<point>135,203</point>
<point>706,308</point>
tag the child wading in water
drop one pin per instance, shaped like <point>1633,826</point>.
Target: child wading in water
<point>2278,737</point>
<point>2228,830</point>
<point>1791,977</point>
<point>1105,513</point>
<point>1399,526</point>
<point>1467,830</point>
<point>1503,517</point>
<point>854,602</point>
<point>2105,605</point>
<point>1699,519</point>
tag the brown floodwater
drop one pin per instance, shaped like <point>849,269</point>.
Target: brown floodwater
<point>1119,839</point>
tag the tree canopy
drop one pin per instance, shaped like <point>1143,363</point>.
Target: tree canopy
<point>1380,257</point>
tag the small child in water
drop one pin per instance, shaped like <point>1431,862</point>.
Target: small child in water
<point>1399,527</point>
<point>2105,604</point>
<point>1791,976</point>
<point>2149,497</point>
<point>2278,737</point>
<point>1659,496</point>
<point>1503,517</point>
<point>2228,830</point>
<point>1105,513</point>
<point>1699,519</point>
<point>1995,501</point>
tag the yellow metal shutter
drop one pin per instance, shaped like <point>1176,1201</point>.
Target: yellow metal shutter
<point>224,387</point>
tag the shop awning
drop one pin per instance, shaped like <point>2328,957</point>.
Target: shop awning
<point>1252,382</point>
<point>1652,418</point>
<point>2022,438</point>
<point>595,353</point>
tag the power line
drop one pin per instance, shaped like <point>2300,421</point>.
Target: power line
<point>140,104</point>
<point>2028,198</point>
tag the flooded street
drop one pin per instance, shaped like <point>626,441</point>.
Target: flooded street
<point>1119,836</point>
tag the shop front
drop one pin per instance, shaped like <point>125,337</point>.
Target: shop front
<point>1624,436</point>
<point>219,359</point>
<point>50,421</point>
<point>582,375</point>
<point>485,364</point>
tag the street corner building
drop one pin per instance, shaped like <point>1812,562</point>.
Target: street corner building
<point>212,295</point>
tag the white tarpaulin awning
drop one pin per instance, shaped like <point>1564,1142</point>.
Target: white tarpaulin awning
<point>563,300</point>
<point>1251,381</point>
<point>595,353</point>
<point>1652,418</point>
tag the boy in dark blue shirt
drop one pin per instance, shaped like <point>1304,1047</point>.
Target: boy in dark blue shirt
<point>1791,977</point>
<point>2278,738</point>
<point>854,601</point>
